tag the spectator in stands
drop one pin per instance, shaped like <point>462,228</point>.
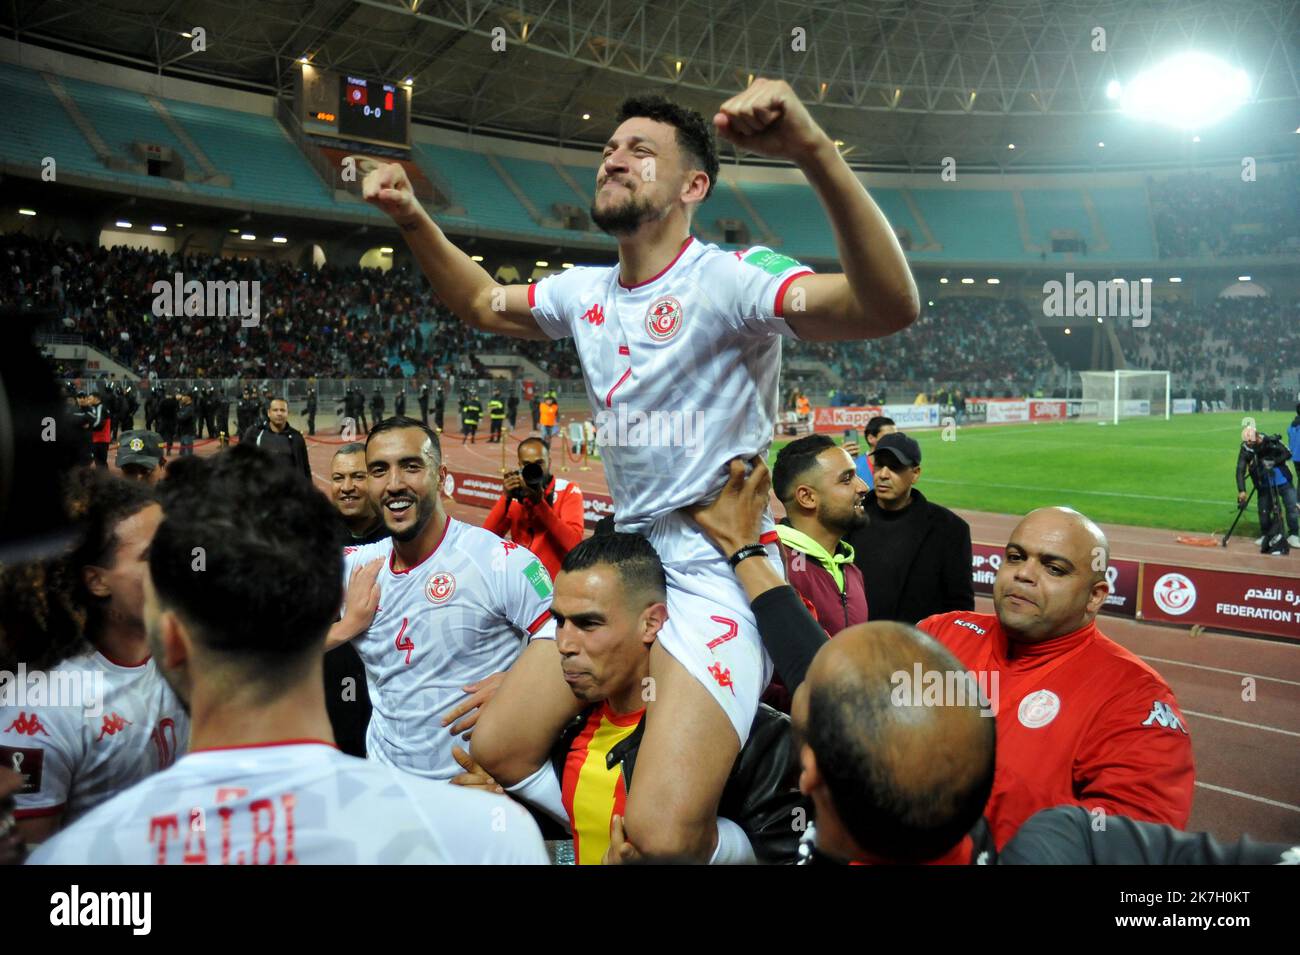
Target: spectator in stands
<point>280,439</point>
<point>537,510</point>
<point>140,456</point>
<point>915,556</point>
<point>823,497</point>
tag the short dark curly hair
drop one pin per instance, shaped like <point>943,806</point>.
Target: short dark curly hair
<point>694,132</point>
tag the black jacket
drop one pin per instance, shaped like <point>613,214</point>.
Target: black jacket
<point>915,567</point>
<point>762,792</point>
<point>1246,460</point>
<point>185,419</point>
<point>297,445</point>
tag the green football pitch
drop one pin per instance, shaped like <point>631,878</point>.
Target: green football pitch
<point>1175,474</point>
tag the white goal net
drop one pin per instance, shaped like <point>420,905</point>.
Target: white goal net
<point>1125,394</point>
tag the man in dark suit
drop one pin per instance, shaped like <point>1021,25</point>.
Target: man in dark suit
<point>915,556</point>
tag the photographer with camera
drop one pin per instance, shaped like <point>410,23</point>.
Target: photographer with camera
<point>541,512</point>
<point>1264,457</point>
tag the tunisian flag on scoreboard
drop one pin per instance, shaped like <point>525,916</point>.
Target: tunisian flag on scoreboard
<point>357,94</point>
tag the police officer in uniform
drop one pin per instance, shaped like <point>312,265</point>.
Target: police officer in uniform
<point>424,404</point>
<point>310,411</point>
<point>377,406</point>
<point>496,415</point>
<point>439,408</point>
<point>399,403</point>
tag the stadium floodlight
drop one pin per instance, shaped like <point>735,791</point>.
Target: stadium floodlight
<point>27,212</point>
<point>1190,90</point>
<point>1067,331</point>
<point>1175,279</point>
<point>943,281</point>
<point>158,228</point>
<point>476,258</point>
<point>1243,278</point>
<point>279,240</point>
<point>123,224</point>
<point>993,281</point>
<point>542,264</point>
<point>967,281</point>
<point>586,116</point>
<point>385,250</point>
<point>566,265</point>
<point>1101,145</point>
<point>1114,89</point>
<point>1011,145</point>
<point>248,236</point>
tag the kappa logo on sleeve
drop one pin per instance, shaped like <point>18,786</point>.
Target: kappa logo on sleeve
<point>771,262</point>
<point>1162,714</point>
<point>539,578</point>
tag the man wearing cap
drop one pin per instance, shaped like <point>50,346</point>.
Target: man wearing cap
<point>915,556</point>
<point>140,456</point>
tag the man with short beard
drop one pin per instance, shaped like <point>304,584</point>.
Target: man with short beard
<point>457,604</point>
<point>76,755</point>
<point>823,496</point>
<point>282,440</point>
<point>347,698</point>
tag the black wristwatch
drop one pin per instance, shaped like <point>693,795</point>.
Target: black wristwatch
<point>749,550</point>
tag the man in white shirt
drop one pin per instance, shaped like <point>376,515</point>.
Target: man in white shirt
<point>680,351</point>
<point>236,605</point>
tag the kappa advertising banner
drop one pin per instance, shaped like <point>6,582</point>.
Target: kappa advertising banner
<point>1007,410</point>
<point>1047,410</point>
<point>1222,599</point>
<point>1122,575</point>
<point>482,490</point>
<point>842,419</point>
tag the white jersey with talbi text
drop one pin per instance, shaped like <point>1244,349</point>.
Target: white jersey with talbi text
<point>296,802</point>
<point>101,728</point>
<point>458,616</point>
<point>681,370</point>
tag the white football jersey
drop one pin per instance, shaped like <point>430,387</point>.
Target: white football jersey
<point>99,729</point>
<point>296,802</point>
<point>461,614</point>
<point>681,370</point>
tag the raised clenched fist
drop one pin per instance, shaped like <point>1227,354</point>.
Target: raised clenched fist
<point>385,185</point>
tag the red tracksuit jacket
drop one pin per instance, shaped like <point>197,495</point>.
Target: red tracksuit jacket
<point>1081,720</point>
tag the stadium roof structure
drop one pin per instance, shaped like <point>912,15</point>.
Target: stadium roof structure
<point>902,83</point>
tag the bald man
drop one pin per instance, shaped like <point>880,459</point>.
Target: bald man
<point>1080,719</point>
<point>891,780</point>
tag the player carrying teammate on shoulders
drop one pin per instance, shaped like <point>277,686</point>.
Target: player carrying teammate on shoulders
<point>690,330</point>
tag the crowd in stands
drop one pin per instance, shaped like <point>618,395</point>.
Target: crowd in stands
<point>1198,214</point>
<point>1252,341</point>
<point>991,346</point>
<point>326,323</point>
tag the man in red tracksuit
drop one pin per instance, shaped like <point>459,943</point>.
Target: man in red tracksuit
<point>1080,719</point>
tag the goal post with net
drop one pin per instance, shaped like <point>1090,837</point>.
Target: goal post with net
<point>1125,393</point>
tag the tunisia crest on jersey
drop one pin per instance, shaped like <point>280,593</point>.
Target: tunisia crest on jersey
<point>440,587</point>
<point>663,318</point>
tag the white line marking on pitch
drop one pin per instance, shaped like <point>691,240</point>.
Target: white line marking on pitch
<point>1201,666</point>
<point>1071,490</point>
<point>1254,726</point>
<point>1250,796</point>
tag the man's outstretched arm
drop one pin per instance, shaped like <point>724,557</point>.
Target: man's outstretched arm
<point>876,295</point>
<point>462,284</point>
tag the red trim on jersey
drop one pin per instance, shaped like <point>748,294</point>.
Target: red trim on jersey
<point>40,811</point>
<point>532,295</point>
<point>624,350</point>
<point>769,538</point>
<point>393,553</point>
<point>537,624</point>
<point>689,240</point>
<point>119,663</point>
<point>609,398</point>
<point>779,307</point>
<point>278,742</point>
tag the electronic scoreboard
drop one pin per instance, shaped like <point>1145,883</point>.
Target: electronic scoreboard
<point>353,107</point>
